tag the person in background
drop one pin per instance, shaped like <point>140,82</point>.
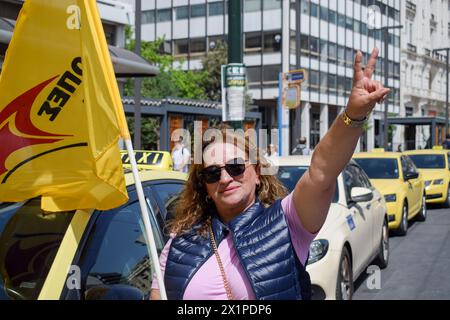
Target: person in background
<point>272,154</point>
<point>446,143</point>
<point>301,148</point>
<point>180,156</point>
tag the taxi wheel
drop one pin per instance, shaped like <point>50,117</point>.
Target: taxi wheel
<point>403,229</point>
<point>422,216</point>
<point>344,286</point>
<point>382,258</point>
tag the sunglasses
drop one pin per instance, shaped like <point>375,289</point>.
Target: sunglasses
<point>234,168</point>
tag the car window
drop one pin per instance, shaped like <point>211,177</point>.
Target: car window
<point>116,251</point>
<point>289,176</point>
<point>428,161</point>
<point>379,168</point>
<point>411,166</point>
<point>353,179</point>
<point>29,241</point>
<point>364,179</point>
<point>168,193</point>
<point>404,166</point>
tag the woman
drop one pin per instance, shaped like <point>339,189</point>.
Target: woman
<point>234,238</point>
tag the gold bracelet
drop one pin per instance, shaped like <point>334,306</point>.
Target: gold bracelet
<point>351,122</point>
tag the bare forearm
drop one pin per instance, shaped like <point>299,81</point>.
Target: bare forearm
<point>332,153</point>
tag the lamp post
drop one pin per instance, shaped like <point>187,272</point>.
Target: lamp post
<point>386,76</point>
<point>447,50</point>
<point>137,81</point>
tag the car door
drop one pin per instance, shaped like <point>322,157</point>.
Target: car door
<point>359,220</point>
<point>410,195</point>
<point>113,254</point>
<point>377,211</point>
<point>416,184</point>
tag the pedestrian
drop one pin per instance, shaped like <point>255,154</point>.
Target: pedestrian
<point>237,235</point>
<point>446,143</point>
<point>180,156</point>
<point>399,147</point>
<point>301,148</point>
<point>272,155</point>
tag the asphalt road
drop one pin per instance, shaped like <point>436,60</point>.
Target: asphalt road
<point>419,265</point>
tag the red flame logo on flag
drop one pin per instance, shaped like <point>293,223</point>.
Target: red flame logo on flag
<point>18,112</point>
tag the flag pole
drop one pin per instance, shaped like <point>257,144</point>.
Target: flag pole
<point>145,218</point>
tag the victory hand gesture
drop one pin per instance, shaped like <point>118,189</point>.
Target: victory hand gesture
<point>365,92</point>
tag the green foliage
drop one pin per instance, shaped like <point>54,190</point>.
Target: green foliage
<point>171,81</point>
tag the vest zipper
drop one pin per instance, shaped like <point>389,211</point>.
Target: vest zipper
<point>243,265</point>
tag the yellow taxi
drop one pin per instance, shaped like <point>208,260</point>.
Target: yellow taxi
<point>149,160</point>
<point>434,167</point>
<point>84,254</point>
<point>397,178</point>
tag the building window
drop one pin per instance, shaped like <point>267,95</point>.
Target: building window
<point>314,10</point>
<point>198,45</point>
<point>198,10</point>
<point>349,56</point>
<point>332,83</point>
<point>314,81</point>
<point>349,23</point>
<point>348,85</point>
<point>253,42</point>
<point>215,8</point>
<point>271,4</point>
<point>252,5</point>
<point>314,45</point>
<point>332,52</point>
<point>305,7</point>
<point>323,50</point>
<point>332,15</point>
<point>272,41</point>
<point>164,15</point>
<point>357,26</point>
<point>341,55</point>
<point>323,82</point>
<point>341,85</point>
<point>148,16</point>
<point>304,44</point>
<point>341,20</point>
<point>213,41</point>
<point>324,13</point>
<point>182,12</point>
<point>271,72</point>
<point>254,74</point>
<point>181,46</point>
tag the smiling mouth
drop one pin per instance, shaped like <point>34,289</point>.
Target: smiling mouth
<point>229,190</point>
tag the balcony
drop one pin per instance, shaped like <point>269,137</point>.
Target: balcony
<point>411,48</point>
<point>410,10</point>
<point>433,23</point>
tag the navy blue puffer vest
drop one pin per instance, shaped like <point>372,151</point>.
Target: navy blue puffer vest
<point>263,245</point>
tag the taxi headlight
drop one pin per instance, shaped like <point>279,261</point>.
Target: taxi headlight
<point>427,183</point>
<point>390,197</point>
<point>438,181</point>
<point>317,250</point>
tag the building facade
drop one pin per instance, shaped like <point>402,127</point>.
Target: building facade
<point>423,73</point>
<point>323,37</point>
<point>115,15</point>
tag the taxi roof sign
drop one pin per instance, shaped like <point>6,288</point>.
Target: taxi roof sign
<point>149,160</point>
<point>438,148</point>
<point>378,150</point>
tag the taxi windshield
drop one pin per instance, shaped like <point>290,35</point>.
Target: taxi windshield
<point>379,168</point>
<point>29,240</point>
<point>428,161</point>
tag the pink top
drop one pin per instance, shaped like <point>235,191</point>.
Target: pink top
<point>207,283</point>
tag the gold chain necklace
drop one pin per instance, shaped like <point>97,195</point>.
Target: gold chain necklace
<point>219,261</point>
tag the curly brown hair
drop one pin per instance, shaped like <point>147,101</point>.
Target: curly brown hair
<point>194,206</point>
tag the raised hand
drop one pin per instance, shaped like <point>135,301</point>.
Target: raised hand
<point>365,92</point>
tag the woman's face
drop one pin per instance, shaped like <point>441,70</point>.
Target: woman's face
<point>231,195</point>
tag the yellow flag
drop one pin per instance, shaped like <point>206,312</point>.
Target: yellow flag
<point>60,110</point>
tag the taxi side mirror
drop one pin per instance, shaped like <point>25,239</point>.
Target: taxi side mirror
<point>358,194</point>
<point>411,175</point>
<point>113,292</point>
